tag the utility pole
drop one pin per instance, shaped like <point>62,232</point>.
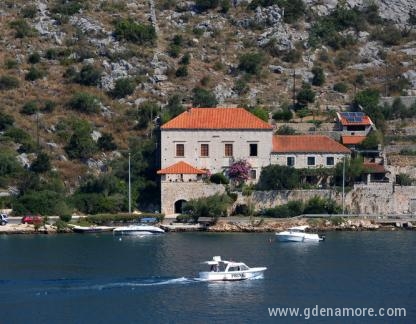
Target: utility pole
<point>294,88</point>
<point>129,187</point>
<point>343,186</point>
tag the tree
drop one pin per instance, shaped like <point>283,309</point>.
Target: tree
<point>318,76</point>
<point>106,142</point>
<point>81,145</point>
<point>251,63</point>
<point>203,98</point>
<point>277,177</point>
<point>239,172</point>
<point>41,164</point>
<point>213,206</point>
<point>89,75</point>
<point>123,87</point>
<point>173,108</point>
<point>305,95</point>
<point>84,102</point>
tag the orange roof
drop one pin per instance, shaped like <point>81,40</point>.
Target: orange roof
<point>358,120</point>
<point>216,118</point>
<point>351,140</point>
<point>374,168</point>
<point>181,168</point>
<point>307,144</point>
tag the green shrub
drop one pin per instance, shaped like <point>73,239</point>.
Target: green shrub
<point>285,130</point>
<point>203,98</point>
<point>318,76</point>
<point>8,82</point>
<point>34,74</point>
<point>243,209</point>
<point>389,35</point>
<point>291,209</point>
<point>67,8</point>
<point>29,108</point>
<point>123,87</point>
<point>276,177</point>
<point>251,63</point>
<point>22,28</point>
<point>84,102</point>
<point>51,54</point>
<point>49,106</point>
<point>284,114</point>
<point>127,29</point>
<point>182,71</point>
<point>29,11</point>
<point>185,59</point>
<point>65,218</point>
<point>183,218</point>
<point>89,75</point>
<point>61,226</point>
<point>403,179</point>
<point>106,142</point>
<point>213,206</point>
<point>17,134</point>
<point>42,163</point>
<point>241,87</point>
<point>9,166</point>
<point>340,87</point>
<point>203,5</point>
<point>33,58</point>
<point>11,63</point>
<point>219,178</point>
<point>6,121</point>
<point>43,202</point>
<point>305,95</point>
<point>80,145</point>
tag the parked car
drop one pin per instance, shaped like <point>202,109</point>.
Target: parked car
<point>31,219</point>
<point>3,219</point>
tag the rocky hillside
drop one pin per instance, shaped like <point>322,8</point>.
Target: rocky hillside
<point>109,71</point>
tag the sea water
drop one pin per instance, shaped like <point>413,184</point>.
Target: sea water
<point>99,278</point>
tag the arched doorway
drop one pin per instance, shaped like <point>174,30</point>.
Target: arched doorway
<point>179,205</point>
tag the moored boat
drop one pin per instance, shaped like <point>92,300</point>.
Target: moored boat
<point>92,229</point>
<point>298,234</point>
<point>222,270</point>
<point>138,229</point>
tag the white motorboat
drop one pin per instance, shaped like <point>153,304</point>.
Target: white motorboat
<point>92,229</point>
<point>139,229</point>
<point>222,270</point>
<point>298,234</point>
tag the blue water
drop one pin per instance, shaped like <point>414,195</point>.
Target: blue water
<point>98,278</point>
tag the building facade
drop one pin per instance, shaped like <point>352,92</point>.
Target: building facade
<point>203,141</point>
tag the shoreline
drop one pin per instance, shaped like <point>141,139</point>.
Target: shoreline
<point>318,225</point>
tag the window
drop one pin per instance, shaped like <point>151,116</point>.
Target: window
<point>204,150</point>
<point>330,160</point>
<point>253,149</point>
<point>253,174</point>
<point>290,161</point>
<point>228,150</point>
<point>180,149</point>
<point>311,160</point>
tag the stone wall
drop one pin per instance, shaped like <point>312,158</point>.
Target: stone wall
<point>375,198</point>
<point>171,192</point>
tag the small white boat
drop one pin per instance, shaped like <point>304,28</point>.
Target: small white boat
<point>298,234</point>
<point>92,229</point>
<point>222,270</point>
<point>139,229</point>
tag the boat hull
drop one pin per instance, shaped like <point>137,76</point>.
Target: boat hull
<point>298,237</point>
<point>92,229</point>
<point>232,275</point>
<point>137,230</point>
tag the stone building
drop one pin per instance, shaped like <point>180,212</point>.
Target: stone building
<point>203,141</point>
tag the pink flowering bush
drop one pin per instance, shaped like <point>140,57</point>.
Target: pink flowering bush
<point>239,172</point>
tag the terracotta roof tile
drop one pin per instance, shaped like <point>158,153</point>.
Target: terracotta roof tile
<point>181,168</point>
<point>365,120</point>
<point>307,144</point>
<point>217,118</point>
<point>351,140</point>
<point>374,168</point>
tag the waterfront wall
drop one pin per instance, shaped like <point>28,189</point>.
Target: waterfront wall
<point>375,198</point>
